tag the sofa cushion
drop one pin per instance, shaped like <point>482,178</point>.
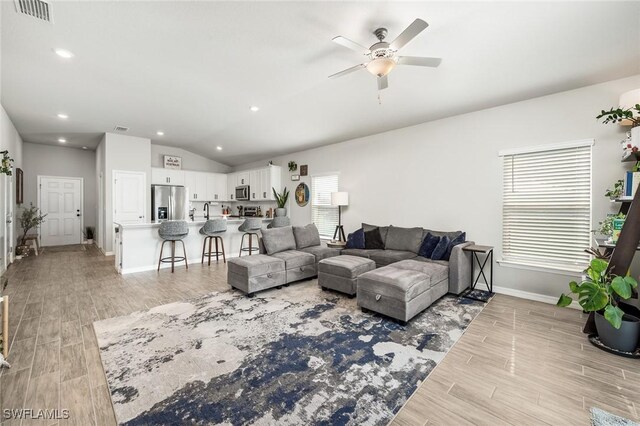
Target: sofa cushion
<point>357,252</point>
<point>355,240</point>
<point>383,230</point>
<point>424,259</point>
<point>398,284</point>
<point>306,236</point>
<point>387,257</point>
<point>321,252</point>
<point>450,234</point>
<point>407,239</point>
<point>373,240</point>
<point>346,266</point>
<point>295,259</point>
<point>438,270</point>
<point>440,251</point>
<point>276,240</point>
<point>428,245</point>
<point>255,265</point>
<point>454,242</point>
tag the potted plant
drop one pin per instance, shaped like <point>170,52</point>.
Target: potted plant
<point>616,192</point>
<point>600,293</point>
<point>281,201</point>
<point>628,115</point>
<point>29,218</point>
<point>88,234</point>
<point>605,227</point>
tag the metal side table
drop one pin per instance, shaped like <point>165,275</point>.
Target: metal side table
<point>476,250</point>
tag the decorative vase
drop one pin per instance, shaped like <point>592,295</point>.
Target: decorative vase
<point>281,211</point>
<point>625,338</point>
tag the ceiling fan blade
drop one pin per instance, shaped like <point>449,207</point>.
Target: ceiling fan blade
<point>383,82</point>
<point>348,70</point>
<point>419,61</point>
<point>342,41</point>
<point>408,34</point>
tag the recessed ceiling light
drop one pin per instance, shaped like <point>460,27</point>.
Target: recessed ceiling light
<point>160,133</point>
<point>63,116</point>
<point>62,140</point>
<point>84,147</point>
<point>63,53</point>
<point>219,148</point>
<point>254,108</point>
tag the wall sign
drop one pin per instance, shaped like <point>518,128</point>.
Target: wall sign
<point>172,162</point>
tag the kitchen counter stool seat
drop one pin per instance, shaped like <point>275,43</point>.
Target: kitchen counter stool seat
<point>250,227</point>
<point>172,231</point>
<point>211,231</point>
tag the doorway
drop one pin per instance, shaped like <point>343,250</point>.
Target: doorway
<point>60,198</point>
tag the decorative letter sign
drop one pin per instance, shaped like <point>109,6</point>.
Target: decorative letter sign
<point>171,162</point>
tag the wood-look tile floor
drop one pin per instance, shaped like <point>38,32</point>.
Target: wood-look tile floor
<point>520,362</point>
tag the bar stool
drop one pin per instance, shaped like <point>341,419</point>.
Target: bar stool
<point>279,222</point>
<point>249,227</point>
<point>172,231</point>
<point>211,231</point>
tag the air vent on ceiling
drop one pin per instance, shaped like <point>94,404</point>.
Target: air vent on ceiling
<point>121,129</point>
<point>36,8</point>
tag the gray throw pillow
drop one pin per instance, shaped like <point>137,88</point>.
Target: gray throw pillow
<point>306,236</point>
<point>276,240</point>
<point>407,239</point>
<point>383,230</point>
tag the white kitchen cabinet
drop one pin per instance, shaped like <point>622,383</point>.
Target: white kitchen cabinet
<point>217,187</point>
<point>272,178</point>
<point>196,183</point>
<point>243,178</point>
<point>232,179</point>
<point>160,176</point>
<point>255,185</point>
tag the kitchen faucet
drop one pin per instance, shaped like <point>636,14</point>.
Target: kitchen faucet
<point>206,209</point>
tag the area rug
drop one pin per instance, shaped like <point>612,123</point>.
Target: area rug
<point>603,418</point>
<point>291,356</point>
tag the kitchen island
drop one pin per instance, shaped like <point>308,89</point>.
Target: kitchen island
<point>137,245</point>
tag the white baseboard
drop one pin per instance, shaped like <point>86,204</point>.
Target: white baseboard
<point>194,261</point>
<point>532,296</point>
<point>109,253</point>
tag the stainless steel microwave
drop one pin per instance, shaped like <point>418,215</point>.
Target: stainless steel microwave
<point>242,193</point>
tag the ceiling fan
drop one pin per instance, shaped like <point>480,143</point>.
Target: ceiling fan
<point>382,55</point>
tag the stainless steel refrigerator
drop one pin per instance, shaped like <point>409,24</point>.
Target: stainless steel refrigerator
<point>169,202</point>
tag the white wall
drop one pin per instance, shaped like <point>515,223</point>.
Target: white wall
<point>190,161</point>
<point>100,191</point>
<point>127,153</point>
<point>9,140</point>
<point>446,174</point>
<point>49,160</point>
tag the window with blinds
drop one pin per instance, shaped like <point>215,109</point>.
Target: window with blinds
<point>547,206</point>
<point>323,214</point>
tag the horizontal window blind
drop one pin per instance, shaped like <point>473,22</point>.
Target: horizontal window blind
<point>323,214</point>
<point>547,208</point>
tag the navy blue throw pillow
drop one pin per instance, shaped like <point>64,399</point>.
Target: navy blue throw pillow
<point>440,251</point>
<point>457,240</point>
<point>355,240</point>
<point>428,245</point>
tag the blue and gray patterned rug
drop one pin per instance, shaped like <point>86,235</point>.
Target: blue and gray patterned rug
<point>291,356</point>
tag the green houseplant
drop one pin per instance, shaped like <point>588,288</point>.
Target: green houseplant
<point>616,192</point>
<point>600,293</point>
<point>88,234</point>
<point>29,218</point>
<point>281,201</point>
<point>616,115</point>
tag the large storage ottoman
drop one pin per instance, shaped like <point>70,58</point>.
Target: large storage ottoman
<point>404,289</point>
<point>254,273</point>
<point>341,272</point>
<point>297,264</point>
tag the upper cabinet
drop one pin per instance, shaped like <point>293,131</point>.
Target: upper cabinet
<point>196,183</point>
<point>160,176</point>
<point>243,178</point>
<point>261,182</point>
<point>232,179</point>
<point>217,187</point>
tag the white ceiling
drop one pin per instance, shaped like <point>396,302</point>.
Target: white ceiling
<point>192,69</point>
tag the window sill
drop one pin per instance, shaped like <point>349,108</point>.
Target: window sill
<point>572,272</point>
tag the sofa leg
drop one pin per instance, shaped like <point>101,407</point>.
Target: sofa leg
<point>402,323</point>
<point>323,288</point>
<point>250,295</point>
<point>285,285</point>
<point>352,296</point>
<point>279,287</point>
<point>365,310</point>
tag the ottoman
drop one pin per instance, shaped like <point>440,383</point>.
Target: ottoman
<point>297,264</point>
<point>254,273</point>
<point>403,289</point>
<point>341,272</point>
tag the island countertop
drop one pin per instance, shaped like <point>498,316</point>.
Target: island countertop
<point>197,222</point>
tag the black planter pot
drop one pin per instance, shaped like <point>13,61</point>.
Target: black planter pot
<point>625,338</point>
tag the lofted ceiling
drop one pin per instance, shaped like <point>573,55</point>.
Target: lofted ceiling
<point>193,69</point>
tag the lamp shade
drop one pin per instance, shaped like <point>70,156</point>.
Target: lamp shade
<point>381,66</point>
<point>339,198</point>
<point>629,100</point>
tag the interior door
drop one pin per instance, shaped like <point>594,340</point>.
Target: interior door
<point>129,196</point>
<point>61,201</point>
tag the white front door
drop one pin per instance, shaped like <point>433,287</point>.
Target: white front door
<point>9,203</point>
<point>129,196</point>
<point>61,201</point>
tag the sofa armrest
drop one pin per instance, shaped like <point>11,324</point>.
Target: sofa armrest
<point>460,268</point>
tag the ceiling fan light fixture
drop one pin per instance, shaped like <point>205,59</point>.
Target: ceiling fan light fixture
<point>381,66</point>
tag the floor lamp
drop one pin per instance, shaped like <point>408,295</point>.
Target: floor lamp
<point>339,199</point>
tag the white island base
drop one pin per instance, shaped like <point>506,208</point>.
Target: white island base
<point>138,245</point>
